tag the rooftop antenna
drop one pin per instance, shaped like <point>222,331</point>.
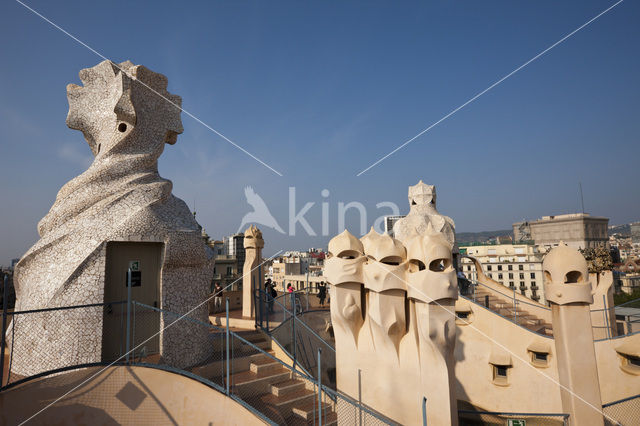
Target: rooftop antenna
<point>581,197</point>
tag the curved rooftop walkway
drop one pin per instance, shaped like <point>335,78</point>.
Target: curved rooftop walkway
<point>121,395</point>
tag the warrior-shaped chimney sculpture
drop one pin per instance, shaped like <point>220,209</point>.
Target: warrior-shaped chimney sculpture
<point>252,272</point>
<point>567,288</point>
<point>120,203</point>
<point>392,310</point>
<point>422,211</point>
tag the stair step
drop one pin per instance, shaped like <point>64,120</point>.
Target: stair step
<point>287,387</point>
<point>267,378</point>
<point>308,410</point>
<point>299,398</point>
<point>264,345</point>
<point>254,337</point>
<point>264,364</point>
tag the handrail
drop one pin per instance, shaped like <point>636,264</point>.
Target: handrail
<point>62,308</point>
<point>230,335</point>
<point>292,315</point>
<point>235,335</point>
<point>629,398</point>
<point>622,305</point>
<point>502,316</point>
<point>355,402</point>
<point>510,296</point>
<point>495,285</point>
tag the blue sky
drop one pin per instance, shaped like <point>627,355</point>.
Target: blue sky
<point>320,90</point>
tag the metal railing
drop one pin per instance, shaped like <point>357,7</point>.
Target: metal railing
<point>502,303</point>
<point>625,412</point>
<point>294,335</point>
<point>232,363</point>
<point>38,339</point>
<point>612,322</point>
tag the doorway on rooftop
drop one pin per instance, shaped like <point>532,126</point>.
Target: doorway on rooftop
<point>145,261</point>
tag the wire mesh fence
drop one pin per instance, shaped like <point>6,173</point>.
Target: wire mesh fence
<point>471,417</point>
<point>616,321</point>
<point>625,412</point>
<point>511,306</point>
<point>300,333</point>
<point>238,363</point>
<point>39,340</point>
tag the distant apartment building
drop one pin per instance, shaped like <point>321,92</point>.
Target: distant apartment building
<point>630,276</point>
<point>516,266</point>
<point>389,221</point>
<point>300,269</point>
<point>226,270</point>
<point>234,246</point>
<point>578,230</point>
<point>635,232</point>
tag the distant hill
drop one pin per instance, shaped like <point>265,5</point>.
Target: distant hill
<point>624,230</point>
<point>479,237</point>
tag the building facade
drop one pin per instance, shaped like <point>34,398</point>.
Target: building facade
<point>389,222</point>
<point>635,232</point>
<point>577,230</point>
<point>516,266</point>
<point>300,269</point>
<point>234,245</point>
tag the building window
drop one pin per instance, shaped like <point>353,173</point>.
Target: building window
<point>511,285</point>
<point>539,359</point>
<point>501,375</point>
<point>521,267</point>
<point>462,315</point>
<point>630,363</point>
<point>499,276</point>
<point>521,277</point>
<point>540,356</point>
<point>533,275</point>
<point>488,267</point>
<point>229,270</point>
<point>499,267</point>
<point>510,267</point>
<point>510,275</point>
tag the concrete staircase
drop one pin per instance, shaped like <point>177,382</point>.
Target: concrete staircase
<point>267,385</point>
<point>505,307</point>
